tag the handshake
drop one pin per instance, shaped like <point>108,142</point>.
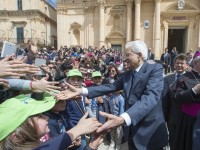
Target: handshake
<point>91,125</point>
<point>112,120</point>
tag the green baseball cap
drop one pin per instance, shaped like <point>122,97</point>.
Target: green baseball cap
<point>14,111</point>
<point>96,74</point>
<point>74,72</point>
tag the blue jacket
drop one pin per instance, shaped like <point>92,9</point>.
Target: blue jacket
<point>59,143</point>
<point>74,112</point>
<point>57,123</point>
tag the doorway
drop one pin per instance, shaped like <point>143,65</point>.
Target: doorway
<point>176,38</point>
<point>116,47</point>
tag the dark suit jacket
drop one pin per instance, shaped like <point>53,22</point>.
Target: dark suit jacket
<point>166,60</point>
<point>143,105</point>
<point>151,56</point>
<point>173,55</point>
<point>171,110</point>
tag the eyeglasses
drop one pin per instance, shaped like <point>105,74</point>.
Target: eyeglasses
<point>128,54</point>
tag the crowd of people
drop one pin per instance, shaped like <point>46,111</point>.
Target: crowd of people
<point>77,98</point>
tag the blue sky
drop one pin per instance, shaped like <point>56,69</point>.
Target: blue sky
<point>54,1</point>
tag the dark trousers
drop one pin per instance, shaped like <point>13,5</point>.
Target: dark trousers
<point>167,68</point>
<point>196,134</point>
<point>131,145</point>
<point>172,130</point>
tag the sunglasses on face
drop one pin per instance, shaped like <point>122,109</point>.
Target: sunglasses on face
<point>112,71</point>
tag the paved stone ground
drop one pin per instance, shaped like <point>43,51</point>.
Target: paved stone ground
<point>124,146</point>
<point>105,146</point>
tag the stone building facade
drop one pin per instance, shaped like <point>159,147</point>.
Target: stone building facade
<point>21,20</point>
<point>160,23</point>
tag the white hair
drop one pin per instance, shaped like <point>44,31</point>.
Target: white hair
<point>138,47</point>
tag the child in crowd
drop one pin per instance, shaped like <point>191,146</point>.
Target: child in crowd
<point>97,104</point>
<point>75,109</point>
<point>58,122</point>
<point>117,108</point>
<point>22,125</point>
<point>92,106</point>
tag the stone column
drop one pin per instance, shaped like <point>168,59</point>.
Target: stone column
<point>166,27</point>
<point>157,29</point>
<point>102,25</point>
<point>189,35</point>
<point>137,20</point>
<point>129,20</point>
<point>62,34</point>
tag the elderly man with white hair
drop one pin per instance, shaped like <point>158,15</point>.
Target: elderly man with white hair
<point>145,127</point>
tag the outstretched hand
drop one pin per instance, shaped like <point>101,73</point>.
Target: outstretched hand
<point>15,68</point>
<point>70,92</point>
<point>112,122</point>
<point>43,85</point>
<point>96,140</point>
<point>88,125</point>
<point>84,126</point>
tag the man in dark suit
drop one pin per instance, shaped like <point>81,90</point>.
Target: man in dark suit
<point>144,122</point>
<point>151,55</point>
<point>166,60</point>
<point>173,54</point>
<point>170,109</point>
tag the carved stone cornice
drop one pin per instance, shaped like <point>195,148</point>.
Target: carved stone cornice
<point>129,2</point>
<point>19,12</point>
<point>114,2</point>
<point>4,19</point>
<point>33,13</point>
<point>187,13</point>
<point>138,1</point>
<point>183,17</point>
<point>75,25</point>
<point>89,8</point>
<point>158,1</point>
<point>62,10</point>
<point>38,18</point>
<point>101,3</point>
<point>116,10</point>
